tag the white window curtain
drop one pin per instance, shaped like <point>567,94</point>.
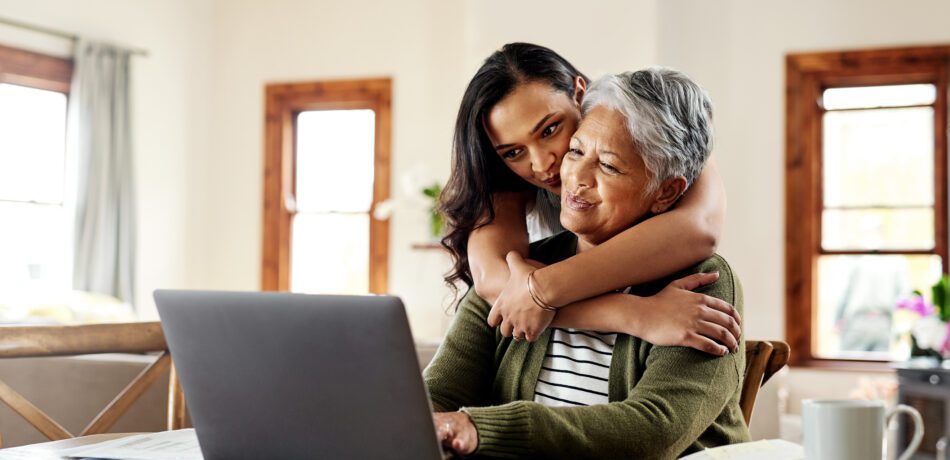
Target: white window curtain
<point>104,238</point>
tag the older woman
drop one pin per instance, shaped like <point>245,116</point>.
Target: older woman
<point>573,393</point>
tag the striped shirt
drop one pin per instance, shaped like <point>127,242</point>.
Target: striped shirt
<point>576,368</point>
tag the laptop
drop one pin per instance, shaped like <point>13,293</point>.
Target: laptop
<point>278,375</point>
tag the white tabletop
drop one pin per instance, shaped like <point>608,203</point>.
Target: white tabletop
<point>162,445</point>
<point>48,450</point>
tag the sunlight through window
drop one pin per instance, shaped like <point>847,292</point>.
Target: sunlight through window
<point>34,238</point>
<point>334,194</point>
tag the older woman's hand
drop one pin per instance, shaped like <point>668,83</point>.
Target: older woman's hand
<point>678,316</point>
<point>456,432</point>
<point>514,310</point>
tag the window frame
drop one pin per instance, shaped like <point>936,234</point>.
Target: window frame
<point>282,104</point>
<point>41,71</point>
<point>807,75</point>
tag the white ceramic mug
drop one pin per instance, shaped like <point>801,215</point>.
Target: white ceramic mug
<point>839,429</point>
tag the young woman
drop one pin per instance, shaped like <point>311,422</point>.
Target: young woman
<point>514,126</point>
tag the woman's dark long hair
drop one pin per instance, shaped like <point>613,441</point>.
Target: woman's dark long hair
<point>477,171</point>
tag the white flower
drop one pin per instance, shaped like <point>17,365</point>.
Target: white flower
<point>384,209</point>
<point>413,181</point>
<point>930,332</point>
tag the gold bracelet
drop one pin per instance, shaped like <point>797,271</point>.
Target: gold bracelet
<point>535,297</point>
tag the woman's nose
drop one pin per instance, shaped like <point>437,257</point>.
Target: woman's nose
<point>577,174</point>
<point>543,161</point>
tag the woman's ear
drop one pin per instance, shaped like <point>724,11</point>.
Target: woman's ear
<point>668,193</point>
<point>580,87</point>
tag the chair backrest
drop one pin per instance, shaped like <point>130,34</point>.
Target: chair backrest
<point>763,358</point>
<point>47,341</point>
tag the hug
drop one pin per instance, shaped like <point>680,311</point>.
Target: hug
<point>642,141</point>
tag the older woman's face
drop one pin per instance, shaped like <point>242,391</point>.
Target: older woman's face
<point>531,129</point>
<point>603,179</point>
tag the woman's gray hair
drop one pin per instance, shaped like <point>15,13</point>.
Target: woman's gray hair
<point>669,118</point>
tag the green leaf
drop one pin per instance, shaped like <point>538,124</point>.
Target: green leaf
<point>433,191</point>
<point>435,224</point>
<point>941,292</point>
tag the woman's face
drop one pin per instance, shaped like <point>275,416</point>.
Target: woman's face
<point>604,179</point>
<point>531,129</point>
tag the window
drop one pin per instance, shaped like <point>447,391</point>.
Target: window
<point>35,213</point>
<point>327,166</point>
<point>866,211</point>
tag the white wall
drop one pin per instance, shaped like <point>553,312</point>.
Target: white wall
<point>736,49</point>
<point>169,111</point>
<point>622,37</point>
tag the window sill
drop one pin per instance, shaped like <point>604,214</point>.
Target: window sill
<point>426,246</point>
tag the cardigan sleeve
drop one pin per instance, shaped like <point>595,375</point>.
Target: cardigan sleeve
<point>680,394</point>
<point>462,371</point>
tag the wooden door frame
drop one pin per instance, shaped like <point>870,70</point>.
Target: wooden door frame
<point>282,104</point>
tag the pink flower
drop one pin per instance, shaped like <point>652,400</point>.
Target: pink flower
<point>945,348</point>
<point>916,304</point>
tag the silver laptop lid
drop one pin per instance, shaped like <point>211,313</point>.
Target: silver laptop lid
<point>277,375</point>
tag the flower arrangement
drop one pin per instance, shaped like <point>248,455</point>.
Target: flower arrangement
<point>930,330</point>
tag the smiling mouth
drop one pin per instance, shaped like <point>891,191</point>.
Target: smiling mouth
<point>577,203</point>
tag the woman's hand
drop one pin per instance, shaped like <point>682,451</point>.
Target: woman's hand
<point>514,310</point>
<point>456,431</point>
<point>678,316</point>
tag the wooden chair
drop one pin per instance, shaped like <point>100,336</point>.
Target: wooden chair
<point>762,360</point>
<point>47,341</point>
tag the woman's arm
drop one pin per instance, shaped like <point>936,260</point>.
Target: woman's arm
<point>675,316</point>
<point>652,249</point>
<point>462,370</point>
<point>488,244</point>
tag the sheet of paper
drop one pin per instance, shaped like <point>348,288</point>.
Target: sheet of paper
<point>27,454</point>
<point>770,449</point>
<point>163,445</point>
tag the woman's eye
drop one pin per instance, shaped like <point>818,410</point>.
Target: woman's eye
<point>549,130</point>
<point>607,167</point>
<point>575,152</point>
<point>510,154</point>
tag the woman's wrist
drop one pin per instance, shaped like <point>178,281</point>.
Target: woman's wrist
<point>535,296</point>
<point>545,285</point>
<point>632,323</point>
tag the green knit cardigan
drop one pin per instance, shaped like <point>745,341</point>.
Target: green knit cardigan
<point>665,402</point>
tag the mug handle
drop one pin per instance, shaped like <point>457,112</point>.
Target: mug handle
<point>918,428</point>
